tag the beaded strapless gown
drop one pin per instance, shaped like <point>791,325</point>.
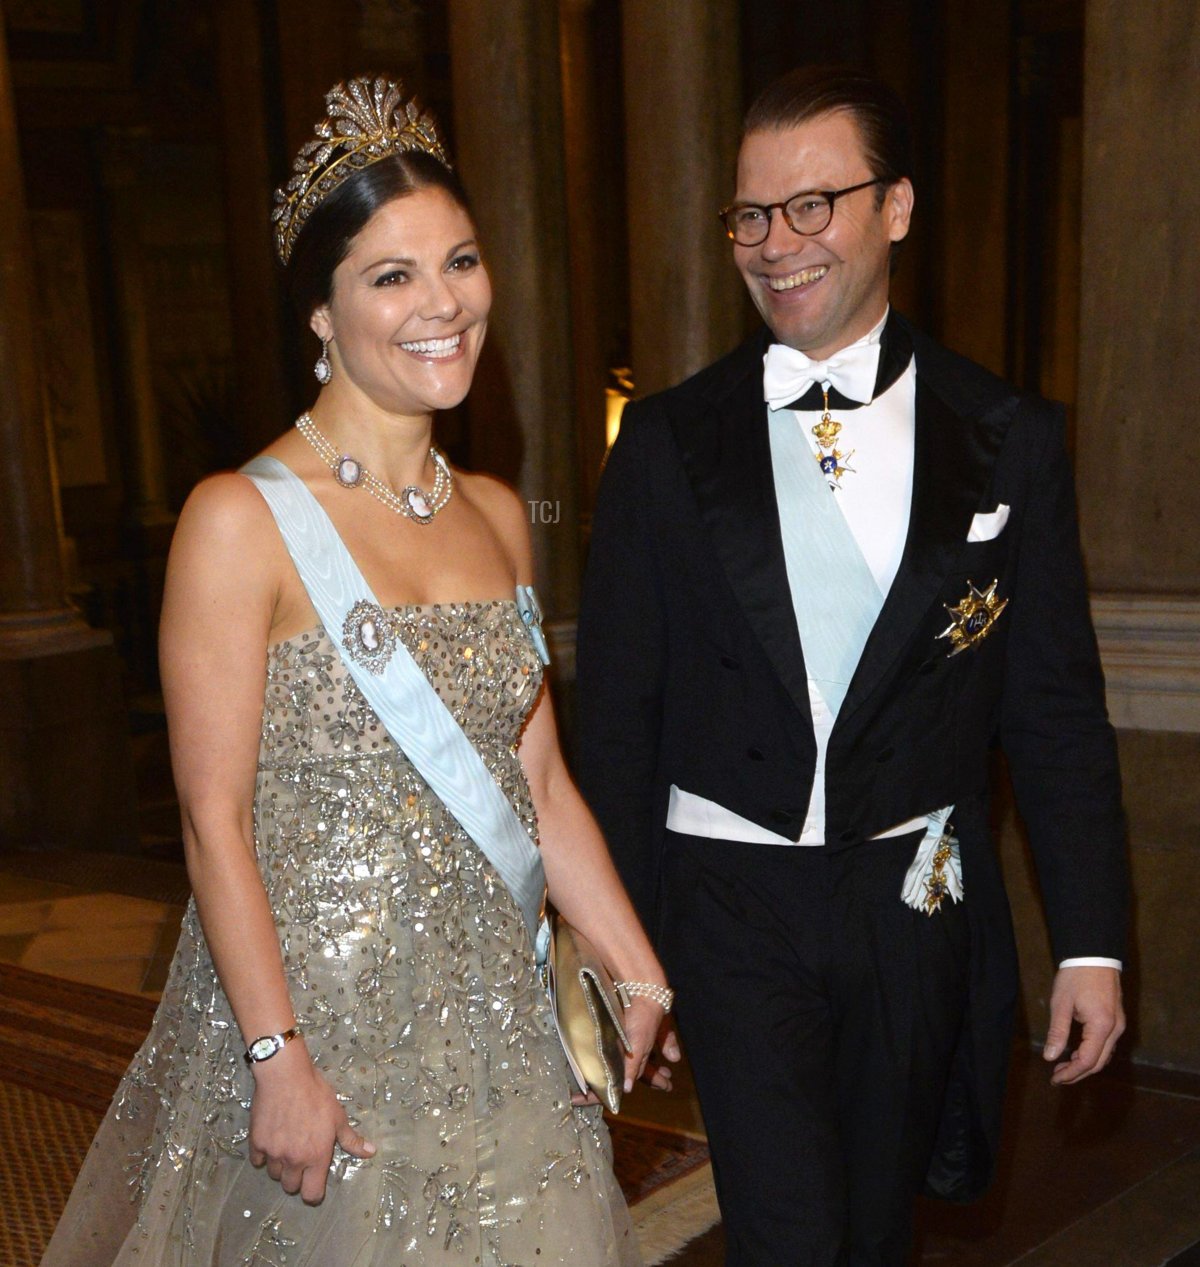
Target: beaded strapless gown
<point>411,973</point>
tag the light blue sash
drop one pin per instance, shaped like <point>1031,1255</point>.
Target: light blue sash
<point>399,692</point>
<point>834,593</point>
<point>837,602</point>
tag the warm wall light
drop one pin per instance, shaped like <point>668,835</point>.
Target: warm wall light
<point>616,396</point>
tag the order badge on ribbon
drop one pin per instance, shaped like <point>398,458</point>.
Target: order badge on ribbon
<point>830,458</point>
<point>531,614</point>
<point>936,871</point>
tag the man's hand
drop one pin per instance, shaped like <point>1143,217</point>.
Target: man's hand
<point>1091,996</point>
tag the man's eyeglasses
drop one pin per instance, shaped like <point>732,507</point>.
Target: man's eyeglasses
<point>805,213</point>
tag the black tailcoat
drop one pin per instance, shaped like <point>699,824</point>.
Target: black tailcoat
<point>691,671</point>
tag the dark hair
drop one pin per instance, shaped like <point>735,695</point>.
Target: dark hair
<point>808,91</point>
<point>325,239</point>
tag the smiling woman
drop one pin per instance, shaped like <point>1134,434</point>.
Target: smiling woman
<point>354,1061</point>
<point>407,311</point>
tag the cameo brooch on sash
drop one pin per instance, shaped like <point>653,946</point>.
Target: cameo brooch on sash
<point>368,637</point>
<point>972,618</point>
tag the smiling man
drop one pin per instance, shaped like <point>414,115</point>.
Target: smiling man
<point>827,575</point>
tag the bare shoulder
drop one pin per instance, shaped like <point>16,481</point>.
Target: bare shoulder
<point>505,511</point>
<point>225,505</point>
<point>226,527</point>
<point>493,497</point>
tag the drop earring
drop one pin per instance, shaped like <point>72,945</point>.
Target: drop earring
<point>322,369</point>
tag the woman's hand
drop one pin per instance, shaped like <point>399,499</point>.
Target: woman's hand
<point>652,1041</point>
<point>641,1019</point>
<point>295,1120</point>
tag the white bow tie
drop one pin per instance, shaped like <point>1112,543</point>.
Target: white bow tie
<point>788,373</point>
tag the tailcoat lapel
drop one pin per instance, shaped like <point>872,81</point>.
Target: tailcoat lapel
<point>727,456</point>
<point>725,448</point>
<point>955,452</point>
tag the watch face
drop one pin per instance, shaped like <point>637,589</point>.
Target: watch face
<point>261,1048</point>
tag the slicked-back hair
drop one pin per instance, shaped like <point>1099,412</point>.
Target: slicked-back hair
<point>325,239</point>
<point>810,91</point>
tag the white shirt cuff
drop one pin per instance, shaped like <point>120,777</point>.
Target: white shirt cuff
<point>1092,961</point>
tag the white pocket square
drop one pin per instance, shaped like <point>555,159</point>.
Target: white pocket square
<point>985,527</point>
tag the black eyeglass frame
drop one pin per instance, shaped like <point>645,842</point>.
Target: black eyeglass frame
<point>832,195</point>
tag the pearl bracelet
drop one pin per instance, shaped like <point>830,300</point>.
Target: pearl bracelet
<point>663,995</point>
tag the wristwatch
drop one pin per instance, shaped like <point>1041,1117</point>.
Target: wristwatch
<point>268,1045</point>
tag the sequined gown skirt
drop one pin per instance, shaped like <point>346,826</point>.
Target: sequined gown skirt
<point>412,975</point>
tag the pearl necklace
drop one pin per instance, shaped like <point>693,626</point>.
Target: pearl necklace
<point>412,502</point>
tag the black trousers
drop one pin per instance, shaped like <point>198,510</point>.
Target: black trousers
<point>820,1016</point>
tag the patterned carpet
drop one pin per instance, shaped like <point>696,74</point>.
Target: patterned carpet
<point>44,1142</point>
<point>64,1046</point>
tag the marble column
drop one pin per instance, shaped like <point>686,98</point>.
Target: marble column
<point>975,195</point>
<point>683,119</point>
<point>65,773</point>
<point>1139,446</point>
<point>147,495</point>
<point>508,134</point>
<point>594,173</point>
<point>264,397</point>
<point>1137,453</point>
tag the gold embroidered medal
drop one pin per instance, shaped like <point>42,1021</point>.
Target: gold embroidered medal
<point>972,618</point>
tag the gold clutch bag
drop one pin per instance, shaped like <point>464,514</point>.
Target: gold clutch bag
<point>587,1012</point>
